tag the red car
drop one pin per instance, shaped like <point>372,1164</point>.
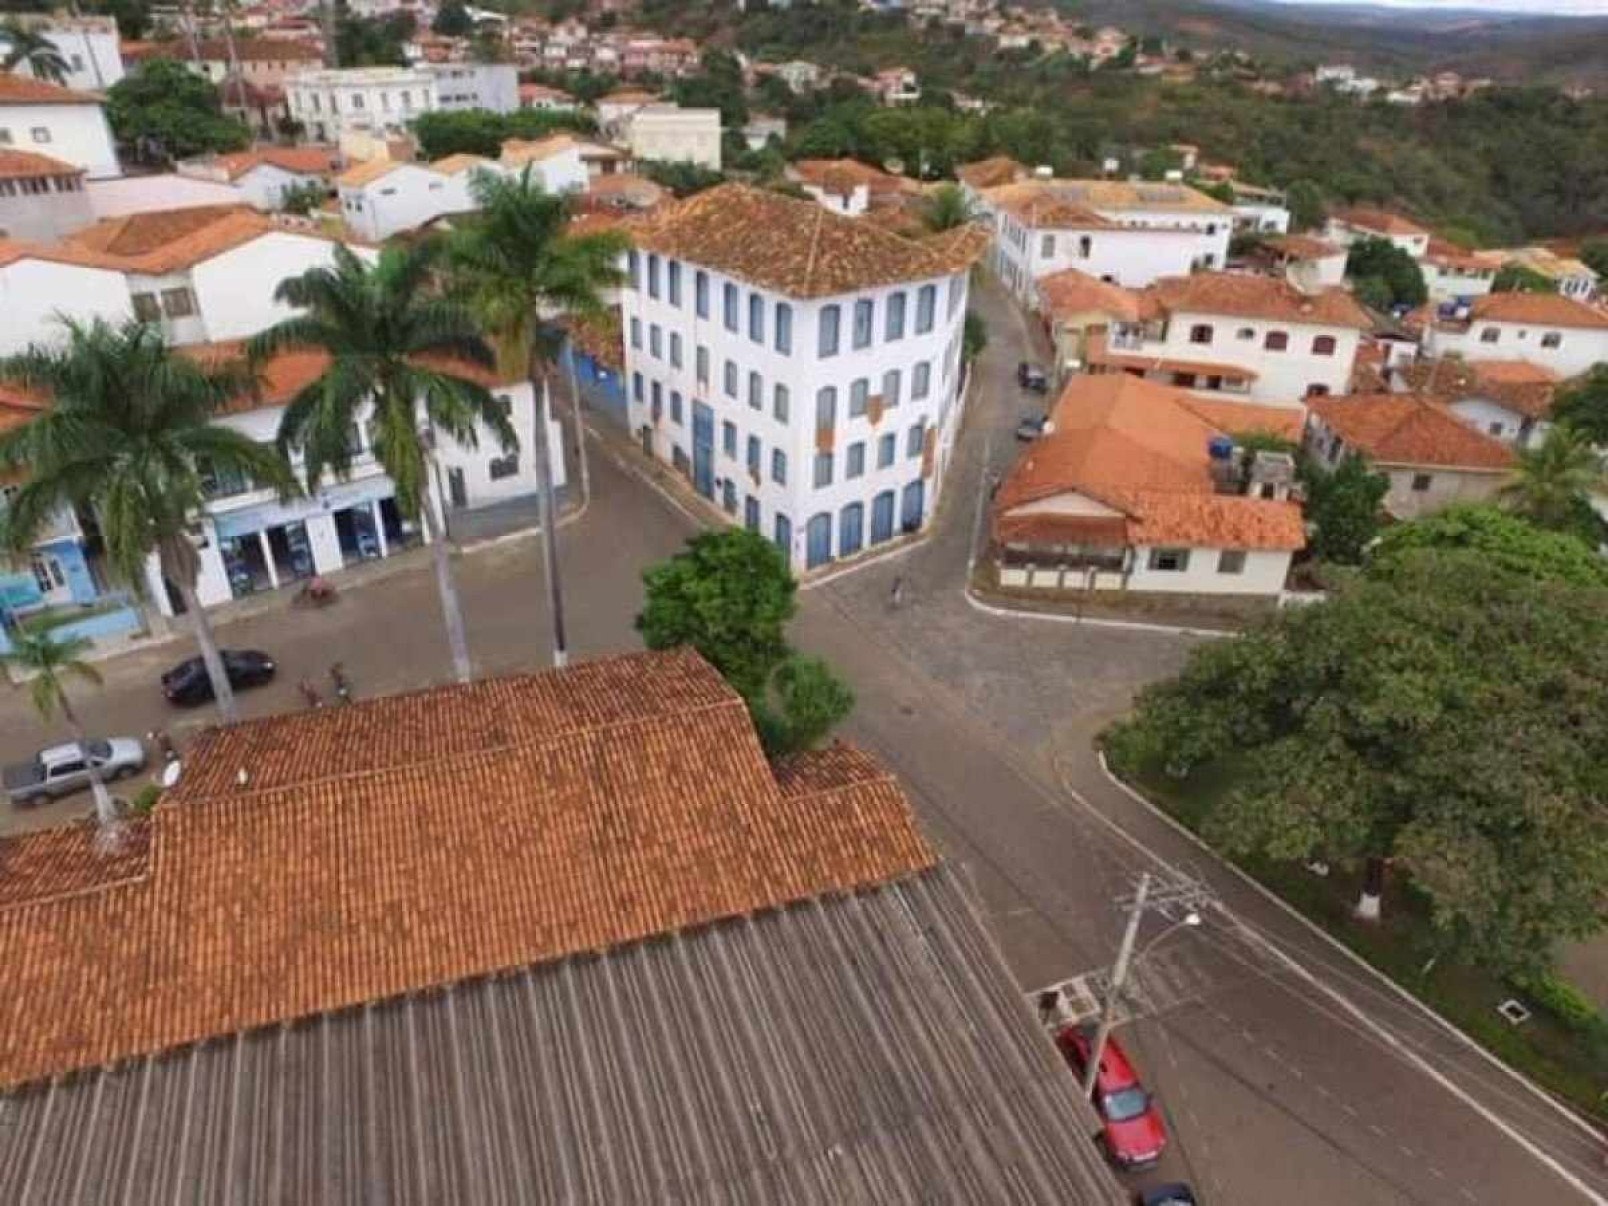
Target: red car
<point>1134,1135</point>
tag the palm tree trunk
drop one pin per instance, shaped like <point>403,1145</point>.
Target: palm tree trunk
<point>451,609</point>
<point>580,427</point>
<point>222,692</point>
<point>548,513</point>
<point>108,824</point>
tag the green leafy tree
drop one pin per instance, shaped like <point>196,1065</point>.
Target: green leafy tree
<point>1552,484</point>
<point>1421,718</point>
<point>515,265</point>
<point>1382,261</point>
<point>404,359</point>
<point>374,41</point>
<point>164,111</point>
<point>51,663</point>
<point>30,48</point>
<point>133,18</point>
<point>1343,507</point>
<point>1594,255</point>
<point>1583,404</point>
<point>1518,278</point>
<point>481,132</point>
<point>810,701</point>
<point>974,336</point>
<point>303,198</point>
<point>680,176</point>
<point>130,439</point>
<point>718,85</point>
<point>1507,541</point>
<point>489,46</point>
<point>946,208</point>
<point>452,20</point>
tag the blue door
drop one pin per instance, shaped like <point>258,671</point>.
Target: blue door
<point>784,537</point>
<point>818,541</point>
<point>914,497</point>
<point>851,529</point>
<point>703,449</point>
<point>882,517</point>
<point>751,513</point>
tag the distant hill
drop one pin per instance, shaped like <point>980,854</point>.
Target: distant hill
<point>1512,47</point>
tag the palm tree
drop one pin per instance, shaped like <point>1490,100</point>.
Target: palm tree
<point>517,268</point>
<point>1553,482</point>
<point>127,438</point>
<point>945,208</point>
<point>29,48</point>
<point>52,663</point>
<point>407,353</point>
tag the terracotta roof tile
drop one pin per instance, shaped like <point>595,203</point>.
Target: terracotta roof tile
<point>424,839</point>
<point>18,165</point>
<point>843,176</point>
<point>1542,309</point>
<point>169,240</point>
<point>518,151</point>
<point>1378,220</point>
<point>1304,247</point>
<point>1409,429</point>
<point>1037,205</point>
<point>797,247</point>
<point>1450,255</point>
<point>367,172</point>
<point>1526,388</point>
<point>990,173</point>
<point>13,250</point>
<point>25,90</point>
<point>1246,295</point>
<point>307,161</point>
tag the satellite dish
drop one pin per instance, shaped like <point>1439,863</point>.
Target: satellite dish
<point>170,774</point>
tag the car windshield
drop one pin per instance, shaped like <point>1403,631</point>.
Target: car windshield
<point>100,750</point>
<point>1125,1104</point>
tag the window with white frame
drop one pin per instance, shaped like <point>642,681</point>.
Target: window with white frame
<point>831,317</point>
<point>920,380</point>
<point>926,306</point>
<point>780,406</point>
<point>863,317</point>
<point>894,320</point>
<point>784,328</point>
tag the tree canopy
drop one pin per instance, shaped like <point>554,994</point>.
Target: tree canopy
<point>164,111</point>
<point>1449,715</point>
<point>1343,507</point>
<point>452,20</point>
<point>1503,539</point>
<point>482,132</point>
<point>1385,275</point>
<point>1519,278</point>
<point>1583,404</point>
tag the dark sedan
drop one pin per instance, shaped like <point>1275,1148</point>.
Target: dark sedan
<point>187,684</point>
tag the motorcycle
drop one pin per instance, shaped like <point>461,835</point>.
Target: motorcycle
<point>315,592</point>
<point>309,693</point>
<point>343,685</point>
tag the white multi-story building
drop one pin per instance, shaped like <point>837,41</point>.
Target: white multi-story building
<point>1125,233</point>
<point>1257,338</point>
<point>373,100</point>
<point>39,116</point>
<point>493,86</point>
<point>1260,210</point>
<point>89,46</point>
<point>674,135</point>
<point>802,368</point>
<point>1555,332</point>
<point>1452,273</point>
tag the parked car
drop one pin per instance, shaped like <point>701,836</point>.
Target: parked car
<point>187,683</point>
<point>1030,427</point>
<point>64,769</point>
<point>1132,1130</point>
<point>1175,1194</point>
<point>1031,376</point>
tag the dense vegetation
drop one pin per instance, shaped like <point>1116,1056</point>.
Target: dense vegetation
<point>481,132</point>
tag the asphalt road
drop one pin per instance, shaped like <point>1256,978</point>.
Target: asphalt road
<point>1288,1073</point>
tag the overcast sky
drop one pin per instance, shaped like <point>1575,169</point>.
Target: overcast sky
<point>1567,8</point>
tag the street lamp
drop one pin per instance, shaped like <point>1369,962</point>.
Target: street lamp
<point>1119,975</point>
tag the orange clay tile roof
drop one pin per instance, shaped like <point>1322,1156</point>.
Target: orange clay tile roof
<point>169,240</point>
<point>1450,255</point>
<point>17,165</point>
<point>25,90</point>
<point>1523,387</point>
<point>451,165</point>
<point>368,172</point>
<point>419,840</point>
<point>1542,309</point>
<point>308,161</point>
<point>1036,204</point>
<point>1304,247</point>
<point>12,250</point>
<point>1409,429</point>
<point>990,173</point>
<point>845,175</point>
<point>1244,295</point>
<point>797,247</point>
<point>1378,220</point>
<point>1140,449</point>
<point>518,150</point>
<point>1072,292</point>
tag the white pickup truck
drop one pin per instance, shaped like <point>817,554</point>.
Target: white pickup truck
<point>64,769</point>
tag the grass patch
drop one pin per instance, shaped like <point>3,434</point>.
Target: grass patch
<point>1564,1045</point>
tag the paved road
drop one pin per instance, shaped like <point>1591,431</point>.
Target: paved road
<point>1275,1091</point>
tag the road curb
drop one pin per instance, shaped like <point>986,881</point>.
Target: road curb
<point>1011,613</point>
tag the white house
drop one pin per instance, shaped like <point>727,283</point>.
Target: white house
<point>548,100</point>
<point>1354,225</point>
<point>674,135</point>
<point>1432,457</point>
<point>1508,400</point>
<point>41,198</point>
<point>39,283</point>
<point>1259,210</point>
<point>266,174</point>
<point>89,46</point>
<point>1573,279</point>
<point>1126,233</point>
<point>206,274</point>
<point>251,541</point>
<point>381,197</point>
<point>1140,487</point>
<point>558,162</point>
<point>1547,329</point>
<point>1308,263</point>
<point>1257,338</point>
<point>847,186</point>
<point>802,368</point>
<point>39,116</point>
<point>373,100</point>
<point>1452,273</point>
<point>493,86</point>
<point>613,109</point>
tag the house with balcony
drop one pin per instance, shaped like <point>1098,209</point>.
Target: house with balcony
<point>1139,487</point>
<point>1547,329</point>
<point>1433,457</point>
<point>1076,308</point>
<point>801,368</point>
<point>1123,232</point>
<point>1254,338</point>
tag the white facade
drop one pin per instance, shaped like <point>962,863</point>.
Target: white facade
<point>34,293</point>
<point>265,186</point>
<point>407,196</point>
<point>675,135</point>
<point>1313,358</point>
<point>827,452</point>
<point>372,100</point>
<point>1500,422</point>
<point>250,541</point>
<point>493,86</point>
<point>559,166</point>
<point>1128,256</point>
<point>1188,571</point>
<point>125,195</point>
<point>90,47</point>
<point>74,132</point>
<point>1317,272</point>
<point>1450,279</point>
<point>1567,351</point>
<point>1261,217</point>
<point>1346,232</point>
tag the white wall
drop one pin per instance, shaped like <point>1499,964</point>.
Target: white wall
<point>1262,216</point>
<point>853,205</point>
<point>1310,276</point>
<point>562,172</point>
<point>1578,348</point>
<point>1264,574</point>
<point>76,134</point>
<point>1132,256</point>
<point>235,289</point>
<point>1336,231</point>
<point>1281,376</point>
<point>33,293</point>
<point>94,56</point>
<point>405,197</point>
<point>1446,486</point>
<point>116,198</point>
<point>493,86</point>
<point>264,186</point>
<point>1444,284</point>
<point>676,135</point>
